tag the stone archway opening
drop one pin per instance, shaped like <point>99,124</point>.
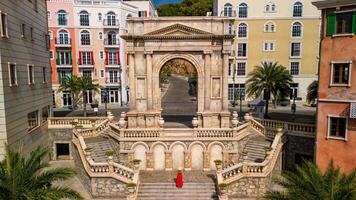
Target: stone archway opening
<point>178,82</point>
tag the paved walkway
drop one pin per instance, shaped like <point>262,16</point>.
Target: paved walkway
<point>169,176</point>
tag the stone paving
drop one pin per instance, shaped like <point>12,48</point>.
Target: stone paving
<point>169,176</point>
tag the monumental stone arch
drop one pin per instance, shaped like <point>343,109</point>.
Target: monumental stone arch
<point>203,41</point>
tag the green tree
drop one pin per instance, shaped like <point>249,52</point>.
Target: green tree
<point>85,84</point>
<point>268,78</point>
<point>312,94</point>
<point>309,183</point>
<point>70,84</point>
<point>26,178</point>
<point>186,8</point>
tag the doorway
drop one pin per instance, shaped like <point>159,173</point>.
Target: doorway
<point>62,151</point>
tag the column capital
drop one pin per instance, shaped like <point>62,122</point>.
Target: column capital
<point>208,52</point>
<point>131,52</point>
<point>148,52</point>
<point>224,52</point>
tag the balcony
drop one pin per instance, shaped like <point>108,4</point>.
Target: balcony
<point>87,64</point>
<point>112,43</point>
<point>60,42</point>
<point>231,13</point>
<point>112,64</point>
<point>111,23</point>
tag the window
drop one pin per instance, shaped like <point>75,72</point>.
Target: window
<point>84,18</point>
<point>31,74</point>
<point>294,68</point>
<point>85,37</point>
<point>295,49</point>
<point>293,93</point>
<point>337,127</point>
<point>32,120</point>
<point>12,74</point>
<point>100,35</point>
<point>101,55</point>
<point>44,75</point>
<point>231,28</point>
<point>243,10</point>
<point>87,58</point>
<point>64,58</point>
<point>268,62</point>
<point>273,8</point>
<point>142,13</point>
<point>31,34</point>
<point>228,10</point>
<point>341,23</point>
<point>3,23</point>
<point>242,49</point>
<point>297,9</point>
<point>50,34</point>
<point>236,90</point>
<point>23,30</point>
<point>296,29</point>
<point>62,18</point>
<point>242,30</point>
<point>87,73</point>
<point>267,8</point>
<point>66,99</point>
<point>45,114</point>
<point>269,46</point>
<point>102,73</point>
<point>64,75</point>
<point>270,7</point>
<point>63,37</point>
<point>48,14</point>
<point>112,58</point>
<point>241,69</point>
<point>51,56</point>
<point>270,27</point>
<point>113,76</point>
<point>111,19</point>
<point>100,16</point>
<point>341,73</point>
<point>112,38</point>
<point>88,96</point>
<point>230,67</point>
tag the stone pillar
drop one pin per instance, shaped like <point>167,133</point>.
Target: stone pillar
<point>207,77</point>
<point>149,80</point>
<point>206,162</point>
<point>225,76</point>
<point>132,103</point>
<point>130,157</point>
<point>225,157</point>
<point>169,161</point>
<point>188,160</point>
<point>149,160</point>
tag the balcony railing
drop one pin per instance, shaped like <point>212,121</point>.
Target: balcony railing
<point>112,43</point>
<point>228,13</point>
<point>110,22</point>
<point>63,42</point>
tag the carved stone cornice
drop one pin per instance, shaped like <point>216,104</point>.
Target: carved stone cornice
<point>176,37</point>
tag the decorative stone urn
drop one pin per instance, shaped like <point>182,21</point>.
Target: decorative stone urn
<point>234,120</point>
<point>110,116</point>
<point>247,117</point>
<point>195,122</point>
<point>161,122</point>
<point>122,123</point>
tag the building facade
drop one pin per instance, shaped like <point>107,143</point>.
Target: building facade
<point>85,41</point>
<point>25,81</point>
<point>280,31</point>
<point>336,118</point>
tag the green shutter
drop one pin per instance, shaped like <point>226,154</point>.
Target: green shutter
<point>331,22</point>
<point>58,59</point>
<point>70,58</point>
<point>59,77</point>
<point>354,22</point>
<point>71,74</point>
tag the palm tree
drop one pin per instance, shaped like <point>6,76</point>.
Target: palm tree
<point>309,183</point>
<point>268,78</point>
<point>71,84</point>
<point>312,94</point>
<point>86,84</point>
<point>26,178</point>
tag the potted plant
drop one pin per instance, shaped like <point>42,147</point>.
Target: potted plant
<point>87,151</point>
<point>109,154</point>
<point>244,155</point>
<point>218,164</point>
<point>136,162</point>
<point>268,150</point>
<point>222,188</point>
<point>131,187</point>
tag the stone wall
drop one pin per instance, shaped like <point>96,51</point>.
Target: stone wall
<point>82,174</point>
<point>295,148</point>
<point>108,187</point>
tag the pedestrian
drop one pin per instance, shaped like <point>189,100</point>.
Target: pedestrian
<point>179,179</point>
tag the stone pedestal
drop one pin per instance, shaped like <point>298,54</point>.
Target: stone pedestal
<point>168,161</point>
<point>206,162</point>
<point>149,161</point>
<point>188,160</point>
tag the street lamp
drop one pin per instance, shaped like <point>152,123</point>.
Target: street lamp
<point>120,89</point>
<point>241,93</point>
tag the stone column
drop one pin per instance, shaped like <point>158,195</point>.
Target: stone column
<point>207,77</point>
<point>149,80</point>
<point>206,162</point>
<point>149,160</point>
<point>169,161</point>
<point>187,160</point>
<point>130,157</point>
<point>132,103</point>
<point>225,100</point>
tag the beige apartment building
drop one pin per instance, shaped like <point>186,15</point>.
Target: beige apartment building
<point>25,78</point>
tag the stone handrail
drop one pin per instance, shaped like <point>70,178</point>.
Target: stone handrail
<point>103,170</point>
<point>257,126</point>
<point>140,133</point>
<point>92,132</point>
<point>218,133</point>
<point>249,169</point>
<point>69,122</point>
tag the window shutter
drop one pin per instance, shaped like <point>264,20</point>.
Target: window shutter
<point>58,59</point>
<point>92,58</point>
<point>354,22</point>
<point>80,58</point>
<point>118,57</point>
<point>70,58</point>
<point>145,13</point>
<point>106,57</point>
<point>331,22</point>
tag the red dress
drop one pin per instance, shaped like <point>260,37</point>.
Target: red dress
<point>179,180</point>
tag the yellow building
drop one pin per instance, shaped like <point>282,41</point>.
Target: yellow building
<point>283,31</point>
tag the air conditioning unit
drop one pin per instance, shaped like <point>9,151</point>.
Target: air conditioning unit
<point>353,110</point>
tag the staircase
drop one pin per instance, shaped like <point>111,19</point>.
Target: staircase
<point>255,149</point>
<point>161,186</point>
<point>99,146</point>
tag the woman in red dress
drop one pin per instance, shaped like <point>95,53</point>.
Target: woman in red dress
<point>179,179</point>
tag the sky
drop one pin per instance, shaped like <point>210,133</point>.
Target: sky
<point>158,2</point>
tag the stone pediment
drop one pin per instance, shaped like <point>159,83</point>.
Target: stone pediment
<point>177,30</point>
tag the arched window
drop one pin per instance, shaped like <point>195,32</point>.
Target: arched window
<point>269,27</point>
<point>270,7</point>
<point>50,34</point>
<point>296,29</point>
<point>297,9</point>
<point>267,8</point>
<point>231,27</point>
<point>228,10</point>
<point>273,7</point>
<point>63,37</point>
<point>62,17</point>
<point>243,10</point>
<point>242,30</point>
<point>111,19</point>
<point>100,16</point>
<point>85,37</point>
<point>100,35</point>
<point>84,18</point>
<point>112,39</point>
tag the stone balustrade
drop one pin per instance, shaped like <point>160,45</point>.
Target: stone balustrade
<point>141,133</point>
<point>69,122</point>
<point>215,133</point>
